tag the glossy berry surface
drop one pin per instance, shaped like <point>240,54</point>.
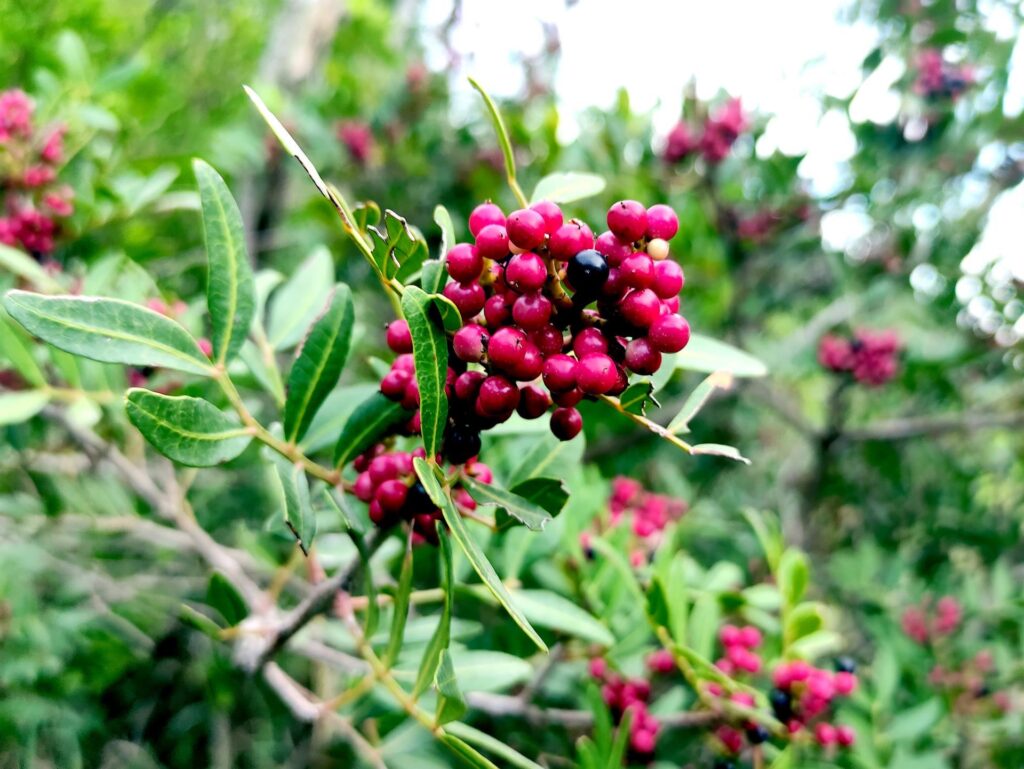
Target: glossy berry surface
<point>587,272</point>
<point>628,220</point>
<point>525,228</point>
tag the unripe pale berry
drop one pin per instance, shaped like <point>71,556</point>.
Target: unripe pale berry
<point>662,222</point>
<point>483,215</point>
<point>526,272</point>
<point>468,343</point>
<point>492,242</point>
<point>628,220</point>
<point>464,263</point>
<point>550,213</point>
<point>566,423</point>
<point>595,373</point>
<point>658,249</point>
<point>525,228</point>
<point>398,337</point>
<point>669,333</point>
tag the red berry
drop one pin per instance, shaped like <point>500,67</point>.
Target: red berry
<point>497,311</point>
<point>729,635</point>
<point>391,495</point>
<point>492,242</point>
<point>534,400</point>
<point>468,343</point>
<point>668,279</point>
<point>464,263</point>
<point>566,423</point>
<point>398,337</point>
<point>550,213</point>
<point>469,298</point>
<point>382,469</point>
<point>641,357</point>
<point>483,215</point>
<point>640,307</point>
<point>595,373</point>
<point>567,398</point>
<point>614,286</point>
<point>560,372</point>
<point>364,487</point>
<point>628,220</point>
<point>467,384</point>
<point>377,514</point>
<point>750,636</point>
<point>662,222</point>
<point>392,386</point>
<point>531,311</point>
<point>825,734</point>
<point>638,270</point>
<point>621,381</point>
<point>404,362</point>
<point>498,396</point>
<point>525,228</point>
<point>505,347</point>
<point>569,239</point>
<point>845,735</point>
<point>548,340</point>
<point>589,340</point>
<point>530,364</point>
<point>614,250</point>
<point>526,272</point>
<point>411,396</point>
<point>671,305</point>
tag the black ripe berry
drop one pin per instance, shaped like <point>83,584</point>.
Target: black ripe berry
<point>461,443</point>
<point>845,665</point>
<point>758,734</point>
<point>724,764</point>
<point>417,501</point>
<point>587,272</point>
<point>782,704</point>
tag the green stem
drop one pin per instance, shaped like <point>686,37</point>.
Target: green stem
<point>654,427</point>
<point>505,142</point>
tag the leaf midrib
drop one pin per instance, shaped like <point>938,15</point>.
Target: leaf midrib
<point>335,332</point>
<point>190,434</point>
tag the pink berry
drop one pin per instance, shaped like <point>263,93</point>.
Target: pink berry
<point>668,279</point>
<point>642,741</point>
<point>531,311</point>
<point>598,667</point>
<point>844,683</point>
<point>364,487</point>
<point>566,423</point>
<point>497,396</point>
<point>845,735</point>
<point>640,307</point>
<point>613,249</point>
<point>483,215</point>
<point>464,263</point>
<point>205,346</point>
<point>505,347</point>
<point>468,343</point>
<point>526,272</point>
<point>587,341</point>
<point>548,339</point>
<point>628,220</point>
<point>750,636</point>
<point>398,337</point>
<point>567,398</point>
<point>382,469</point>
<point>392,386</point>
<point>550,213</point>
<point>825,734</point>
<point>492,242</point>
<point>669,333</point>
<point>525,228</point>
<point>530,363</point>
<point>729,635</point>
<point>469,298</point>
<point>569,239</point>
<point>534,401</point>
<point>638,270</point>
<point>467,384</point>
<point>560,372</point>
<point>392,494</point>
<point>411,396</point>
<point>595,373</point>
<point>497,311</point>
<point>404,362</point>
<point>661,661</point>
<point>662,222</point>
<point>641,357</point>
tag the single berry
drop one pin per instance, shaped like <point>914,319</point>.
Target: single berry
<point>392,386</point>
<point>498,396</point>
<point>461,443</point>
<point>595,373</point>
<point>658,249</point>
<point>467,384</point>
<point>468,343</point>
<point>550,213</point>
<point>530,364</point>
<point>391,494</point>
<point>534,401</point>
<point>505,347</point>
<point>526,272</point>
<point>758,734</point>
<point>613,249</point>
<point>614,287</point>
<point>464,263</point>
<point>662,222</point>
<point>825,734</point>
<point>364,487</point>
<point>567,398</point>
<point>641,357</point>
<point>560,372</point>
<point>497,311</point>
<point>781,703</point>
<point>469,298</point>
<point>845,664</point>
<point>525,228</point>
<point>638,270</point>
<point>845,735</point>
<point>628,220</point>
<point>405,362</point>
<point>640,307</point>
<point>729,635</point>
<point>569,239</point>
<point>483,215</point>
<point>492,242</point>
<point>417,501</point>
<point>411,396</point>
<point>377,514</point>
<point>531,311</point>
<point>398,337</point>
<point>750,636</point>
<point>587,273</point>
<point>668,279</point>
<point>548,339</point>
<point>589,340</point>
<point>566,423</point>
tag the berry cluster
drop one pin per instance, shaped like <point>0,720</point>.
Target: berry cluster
<point>719,132</point>
<point>388,484</point>
<point>921,624</point>
<point>357,137</point>
<point>940,79</point>
<point>33,203</point>
<point>551,315</point>
<point>803,694</point>
<point>869,356</point>
<point>630,695</point>
<point>968,685</point>
<point>761,226</point>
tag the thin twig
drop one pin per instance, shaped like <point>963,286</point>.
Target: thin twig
<point>917,427</point>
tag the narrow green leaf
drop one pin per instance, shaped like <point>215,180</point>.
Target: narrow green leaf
<point>348,520</point>
<point>24,266</point>
<point>191,431</point>
<point>295,305</point>
<point>225,598</point>
<point>442,635</point>
<point>468,545</point>
<point>320,362</point>
<point>371,421</point>
<point>194,618</point>
<point>703,624</point>
<point>450,703</point>
<point>696,400</point>
<point>677,595</point>
<point>602,718</point>
<point>793,576</point>
<point>492,745</point>
<point>466,752</point>
<point>567,187</point>
<point>532,515</point>
<point>805,619</point>
<point>108,330</point>
<point>430,354</point>
<point>15,351</point>
<point>545,454</point>
<point>293,490</point>
<point>499,128</point>
<point>230,294</point>
<point>768,536</point>
<point>550,610</point>
<point>705,354</point>
<point>21,406</point>
<point>372,609</point>
<point>587,754</point>
<point>621,742</point>
<point>401,607</point>
<point>916,721</point>
<point>719,450</point>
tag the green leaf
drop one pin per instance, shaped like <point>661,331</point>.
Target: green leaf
<point>917,721</point>
<point>548,493</point>
<point>24,266</point>
<point>295,305</point>
<point>532,515</point>
<point>430,355</point>
<point>15,351</point>
<point>817,644</point>
<point>293,490</point>
<point>550,610</point>
<point>321,360</point>
<point>793,576</point>
<point>442,635</point>
<point>194,618</point>
<point>371,421</point>
<point>587,754</point>
<point>465,752</point>
<point>401,609</point>
<point>567,187</point>
<point>191,431</point>
<point>469,547</point>
<point>397,247</point>
<point>499,128</point>
<point>545,452</point>
<point>768,536</point>
<point>697,399</point>
<point>450,704</point>
<point>804,620</point>
<point>718,450</point>
<point>492,745</point>
<point>108,330</point>
<point>677,597</point>
<point>434,275</point>
<point>703,624</point>
<point>709,355</point>
<point>637,396</point>
<point>229,291</point>
<point>17,407</point>
<point>225,598</point>
<point>621,742</point>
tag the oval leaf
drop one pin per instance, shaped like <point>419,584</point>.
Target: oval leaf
<point>21,406</point>
<point>108,330</point>
<point>320,361</point>
<point>296,304</point>
<point>430,354</point>
<point>191,431</point>
<point>567,187</point>
<point>709,355</point>
<point>230,295</point>
<point>532,515</point>
<point>550,610</point>
<point>371,421</point>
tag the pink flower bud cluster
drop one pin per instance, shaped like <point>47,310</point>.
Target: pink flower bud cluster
<point>715,138</point>
<point>629,695</point>
<point>870,357</point>
<point>921,624</point>
<point>941,79</point>
<point>32,202</point>
<point>646,512</point>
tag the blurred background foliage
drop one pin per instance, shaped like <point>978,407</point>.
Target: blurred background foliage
<point>897,492</point>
